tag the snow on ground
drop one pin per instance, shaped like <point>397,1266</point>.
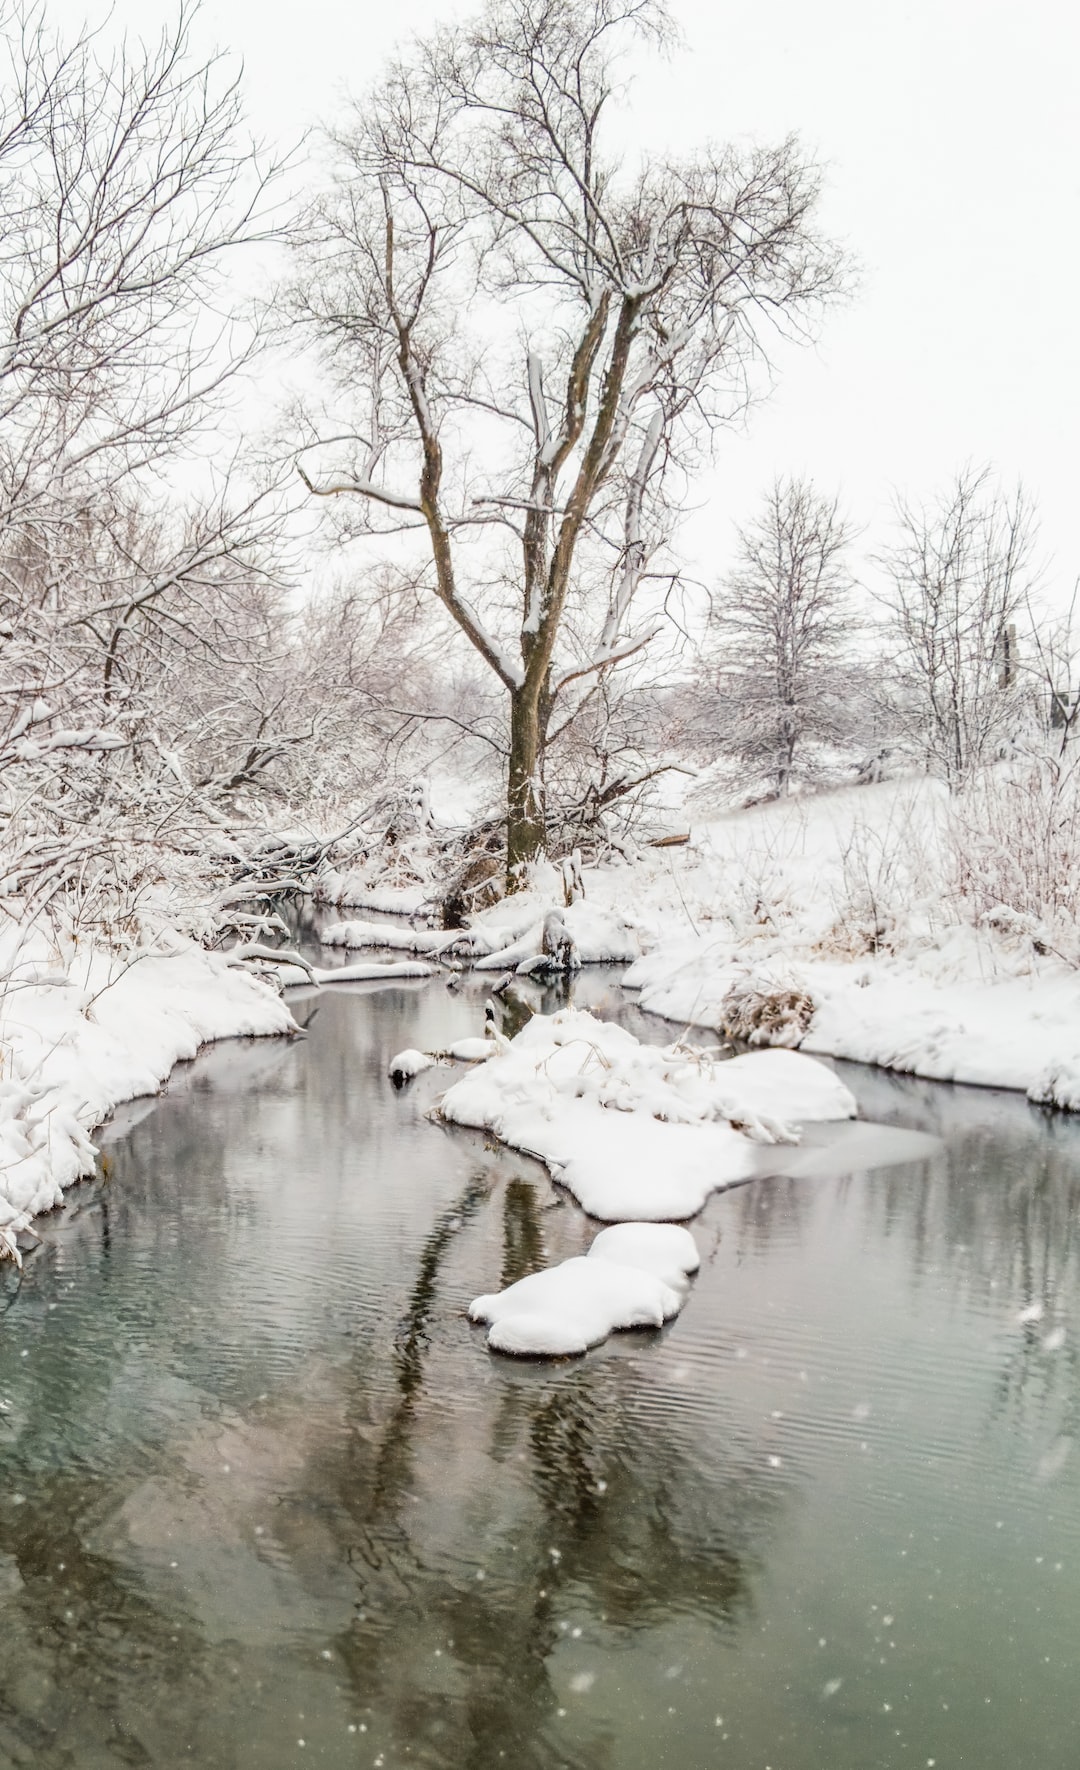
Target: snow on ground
<point>849,899</point>
<point>849,904</point>
<point>926,1012</point>
<point>370,973</point>
<point>634,1275</point>
<point>84,1030</point>
<point>601,936</point>
<point>637,1133</point>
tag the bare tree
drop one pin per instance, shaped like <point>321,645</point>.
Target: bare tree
<point>125,187</point>
<point>536,341</point>
<point>961,573</point>
<point>1054,668</point>
<point>781,677</point>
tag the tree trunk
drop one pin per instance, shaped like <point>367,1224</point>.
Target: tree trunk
<point>525,793</point>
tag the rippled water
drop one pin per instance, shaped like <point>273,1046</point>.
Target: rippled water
<point>267,1499</point>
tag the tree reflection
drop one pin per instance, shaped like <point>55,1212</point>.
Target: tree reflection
<point>523,1239</point>
<point>456,1633</point>
<point>474,1520</point>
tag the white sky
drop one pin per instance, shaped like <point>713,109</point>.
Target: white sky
<point>948,129</point>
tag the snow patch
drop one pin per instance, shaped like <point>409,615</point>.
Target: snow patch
<point>354,890</point>
<point>635,1275</point>
<point>600,936</point>
<point>367,971</point>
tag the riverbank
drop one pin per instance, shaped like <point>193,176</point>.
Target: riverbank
<point>869,923</point>
<point>84,1030</point>
<point>853,925</point>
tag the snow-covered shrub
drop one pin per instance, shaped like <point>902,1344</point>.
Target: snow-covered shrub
<point>1014,853</point>
<point>890,878</point>
<point>476,882</point>
<point>764,1010</point>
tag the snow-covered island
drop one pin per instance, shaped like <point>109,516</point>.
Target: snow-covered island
<point>638,1132</point>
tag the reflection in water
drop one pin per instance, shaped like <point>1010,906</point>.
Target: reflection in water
<point>523,1241</point>
<point>264,1485</point>
<point>462,1595</point>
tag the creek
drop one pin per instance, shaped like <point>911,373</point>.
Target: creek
<point>267,1500</point>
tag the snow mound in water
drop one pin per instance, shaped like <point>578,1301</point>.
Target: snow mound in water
<point>663,1249</point>
<point>407,1064</point>
<point>637,1133</point>
<point>634,1275</point>
<point>411,1062</point>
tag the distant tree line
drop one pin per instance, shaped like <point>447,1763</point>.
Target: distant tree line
<point>945,665</point>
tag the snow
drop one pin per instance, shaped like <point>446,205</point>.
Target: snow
<point>83,1031</point>
<point>926,1012</point>
<point>407,1064</point>
<point>357,935</point>
<point>635,1275</point>
<point>849,899</point>
<point>634,1132</point>
<point>601,936</point>
<point>371,973</point>
<point>410,1062</point>
<point>660,1248</point>
<point>509,936</point>
<point>354,890</point>
<point>368,971</point>
<point>846,903</point>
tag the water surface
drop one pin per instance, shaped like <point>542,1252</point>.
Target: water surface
<point>267,1499</point>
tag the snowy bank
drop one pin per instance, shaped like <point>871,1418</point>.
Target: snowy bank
<point>511,935</point>
<point>368,972</point>
<point>84,1031</point>
<point>355,890</point>
<point>926,1012</point>
<point>634,1275</point>
<point>355,936</point>
<point>843,923</point>
<point>634,1132</point>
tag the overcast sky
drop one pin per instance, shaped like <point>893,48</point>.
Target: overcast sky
<point>948,133</point>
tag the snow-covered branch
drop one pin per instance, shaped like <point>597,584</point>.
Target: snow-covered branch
<point>361,488</point>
